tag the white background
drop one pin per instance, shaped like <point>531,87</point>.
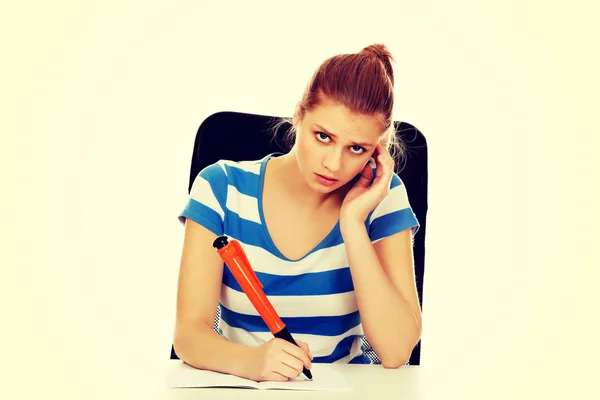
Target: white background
<point>100,105</point>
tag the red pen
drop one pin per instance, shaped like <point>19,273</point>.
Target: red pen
<point>234,257</point>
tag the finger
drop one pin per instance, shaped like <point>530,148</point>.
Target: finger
<point>386,161</point>
<point>376,151</point>
<point>381,170</point>
<point>384,148</point>
<point>305,347</point>
<point>378,157</point>
<point>292,367</point>
<point>365,177</point>
<point>389,160</point>
<point>297,353</point>
<point>382,179</point>
<point>277,377</point>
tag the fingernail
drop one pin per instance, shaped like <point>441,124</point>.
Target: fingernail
<point>371,163</point>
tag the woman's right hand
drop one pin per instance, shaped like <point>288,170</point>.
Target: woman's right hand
<point>278,360</point>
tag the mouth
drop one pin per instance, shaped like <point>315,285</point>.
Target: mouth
<point>325,180</point>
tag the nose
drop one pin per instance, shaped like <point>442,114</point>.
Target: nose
<point>333,160</point>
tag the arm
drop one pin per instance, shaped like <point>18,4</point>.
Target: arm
<point>199,285</point>
<point>384,283</point>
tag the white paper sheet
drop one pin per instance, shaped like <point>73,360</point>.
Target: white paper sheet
<point>325,378</point>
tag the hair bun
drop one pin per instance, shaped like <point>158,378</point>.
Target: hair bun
<point>379,51</point>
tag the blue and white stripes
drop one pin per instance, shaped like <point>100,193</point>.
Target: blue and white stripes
<point>314,296</point>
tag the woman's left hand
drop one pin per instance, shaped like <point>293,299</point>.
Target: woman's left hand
<point>362,198</point>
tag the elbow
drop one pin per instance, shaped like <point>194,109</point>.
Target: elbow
<point>392,365</point>
<point>187,337</point>
<point>179,347</point>
<point>395,361</point>
<point>183,340</point>
<point>395,358</point>
<point>399,356</point>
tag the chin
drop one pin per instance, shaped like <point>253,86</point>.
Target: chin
<point>325,189</point>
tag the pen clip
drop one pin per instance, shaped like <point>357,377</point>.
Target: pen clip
<point>246,262</point>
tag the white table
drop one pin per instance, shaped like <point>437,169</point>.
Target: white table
<point>458,381</point>
<point>367,381</point>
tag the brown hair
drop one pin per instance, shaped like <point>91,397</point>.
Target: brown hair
<point>362,82</point>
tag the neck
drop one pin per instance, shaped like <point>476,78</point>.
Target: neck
<point>286,172</point>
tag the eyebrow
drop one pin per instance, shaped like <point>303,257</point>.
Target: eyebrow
<point>331,134</point>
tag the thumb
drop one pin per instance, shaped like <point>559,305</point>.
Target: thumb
<point>304,346</point>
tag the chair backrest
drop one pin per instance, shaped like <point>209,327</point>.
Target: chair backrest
<point>240,136</point>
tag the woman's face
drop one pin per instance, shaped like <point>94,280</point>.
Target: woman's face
<point>332,143</point>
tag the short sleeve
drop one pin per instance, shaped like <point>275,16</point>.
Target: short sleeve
<point>207,201</point>
<point>393,214</point>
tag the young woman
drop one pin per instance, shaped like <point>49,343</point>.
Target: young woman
<point>327,228</point>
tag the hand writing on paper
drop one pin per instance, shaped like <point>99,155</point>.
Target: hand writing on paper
<point>362,198</point>
<point>279,360</point>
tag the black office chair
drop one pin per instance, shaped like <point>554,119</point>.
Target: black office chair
<point>253,138</point>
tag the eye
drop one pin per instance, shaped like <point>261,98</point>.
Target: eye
<point>358,149</point>
<point>322,136</point>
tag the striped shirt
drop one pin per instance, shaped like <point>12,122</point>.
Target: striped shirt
<point>314,296</point>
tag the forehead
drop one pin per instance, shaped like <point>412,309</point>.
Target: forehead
<point>339,121</point>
